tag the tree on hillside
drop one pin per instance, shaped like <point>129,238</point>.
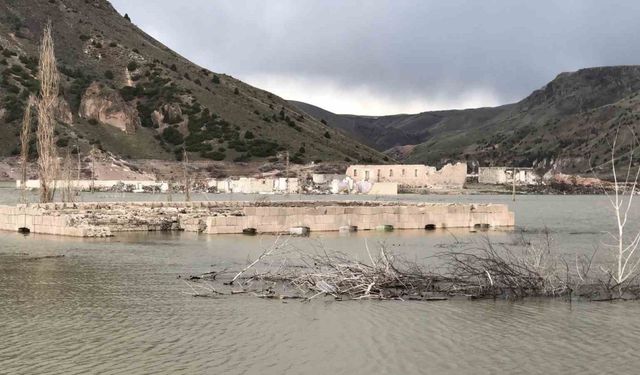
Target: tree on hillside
<point>25,136</point>
<point>49,88</point>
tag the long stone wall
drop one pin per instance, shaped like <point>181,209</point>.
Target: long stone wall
<point>332,216</point>
<point>105,219</point>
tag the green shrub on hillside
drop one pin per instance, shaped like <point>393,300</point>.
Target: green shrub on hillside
<point>144,111</point>
<point>30,63</point>
<point>214,155</point>
<point>263,148</point>
<point>172,135</point>
<point>62,142</point>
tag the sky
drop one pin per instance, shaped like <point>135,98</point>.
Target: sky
<point>377,57</point>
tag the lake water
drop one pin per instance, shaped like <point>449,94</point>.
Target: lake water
<point>115,306</point>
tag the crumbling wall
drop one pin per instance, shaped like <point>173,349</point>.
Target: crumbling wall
<point>505,175</point>
<point>251,185</point>
<point>450,176</point>
<point>88,184</point>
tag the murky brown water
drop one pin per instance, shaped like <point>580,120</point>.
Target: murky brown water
<point>114,306</point>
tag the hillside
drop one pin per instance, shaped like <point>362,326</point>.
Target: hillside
<point>126,93</point>
<point>564,124</point>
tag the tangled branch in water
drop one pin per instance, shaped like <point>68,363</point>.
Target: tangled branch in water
<point>488,270</point>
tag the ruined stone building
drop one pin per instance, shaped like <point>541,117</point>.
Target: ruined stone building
<point>412,175</point>
<point>505,175</point>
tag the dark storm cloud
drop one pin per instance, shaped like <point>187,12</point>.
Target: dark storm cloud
<point>379,56</point>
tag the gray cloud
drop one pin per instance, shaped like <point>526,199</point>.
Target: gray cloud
<point>384,56</point>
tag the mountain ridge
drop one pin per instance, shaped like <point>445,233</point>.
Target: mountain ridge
<point>562,125</point>
<point>172,103</point>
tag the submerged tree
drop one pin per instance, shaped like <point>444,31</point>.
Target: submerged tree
<point>25,136</point>
<point>625,246</point>
<point>49,82</point>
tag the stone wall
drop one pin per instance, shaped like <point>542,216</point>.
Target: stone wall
<point>505,175</point>
<point>331,216</point>
<point>412,175</point>
<point>104,219</point>
<point>98,184</point>
<point>251,185</point>
<point>384,188</point>
<point>43,221</point>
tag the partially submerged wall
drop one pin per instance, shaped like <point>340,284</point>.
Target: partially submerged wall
<point>368,216</point>
<point>104,219</point>
<point>39,220</point>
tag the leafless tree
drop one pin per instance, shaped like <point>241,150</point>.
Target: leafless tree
<point>92,154</point>
<point>625,239</point>
<point>49,82</point>
<point>187,178</point>
<point>25,137</point>
<point>67,172</point>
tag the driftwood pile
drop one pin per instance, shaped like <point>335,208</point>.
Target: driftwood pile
<point>484,271</point>
<point>282,272</point>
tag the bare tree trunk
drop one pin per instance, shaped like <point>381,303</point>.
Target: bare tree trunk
<point>625,248</point>
<point>187,179</point>
<point>93,167</point>
<point>25,136</point>
<point>67,191</point>
<point>47,154</point>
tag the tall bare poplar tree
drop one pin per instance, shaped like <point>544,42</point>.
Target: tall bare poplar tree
<point>25,136</point>
<point>187,178</point>
<point>67,171</point>
<point>49,81</point>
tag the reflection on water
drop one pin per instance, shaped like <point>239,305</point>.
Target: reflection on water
<point>115,306</point>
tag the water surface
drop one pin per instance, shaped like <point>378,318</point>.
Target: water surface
<point>115,306</point>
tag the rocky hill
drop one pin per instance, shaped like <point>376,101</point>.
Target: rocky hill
<point>127,93</point>
<point>563,125</point>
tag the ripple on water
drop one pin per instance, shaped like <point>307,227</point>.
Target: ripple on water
<point>115,307</point>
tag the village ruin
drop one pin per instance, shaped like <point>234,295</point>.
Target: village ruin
<point>508,175</point>
<point>450,176</point>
